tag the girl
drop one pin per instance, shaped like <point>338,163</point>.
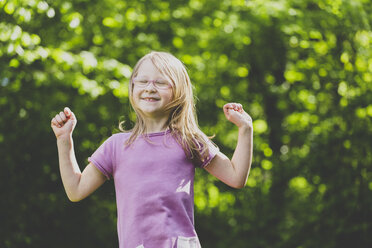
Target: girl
<point>153,164</point>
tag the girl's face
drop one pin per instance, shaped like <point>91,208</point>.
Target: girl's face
<point>151,97</point>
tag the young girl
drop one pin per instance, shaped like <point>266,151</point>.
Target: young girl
<point>153,164</point>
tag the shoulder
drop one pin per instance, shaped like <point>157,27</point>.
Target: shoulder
<point>113,143</point>
<point>119,137</point>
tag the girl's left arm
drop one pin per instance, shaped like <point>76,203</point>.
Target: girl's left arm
<point>235,172</point>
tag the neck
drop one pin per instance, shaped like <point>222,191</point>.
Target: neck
<point>154,125</point>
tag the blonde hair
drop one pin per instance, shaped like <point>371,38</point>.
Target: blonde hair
<point>182,121</point>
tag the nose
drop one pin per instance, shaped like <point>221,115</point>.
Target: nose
<point>150,86</point>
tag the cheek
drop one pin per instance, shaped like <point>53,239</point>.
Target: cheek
<point>168,99</point>
<point>135,97</point>
<point>136,94</point>
<point>168,96</point>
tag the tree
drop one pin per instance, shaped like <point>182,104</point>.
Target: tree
<point>302,69</point>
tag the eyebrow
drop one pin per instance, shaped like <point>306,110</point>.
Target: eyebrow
<point>146,78</point>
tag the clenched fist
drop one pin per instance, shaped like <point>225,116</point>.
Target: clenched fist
<point>63,124</point>
<point>234,113</point>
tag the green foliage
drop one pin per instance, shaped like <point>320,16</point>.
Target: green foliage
<point>302,69</point>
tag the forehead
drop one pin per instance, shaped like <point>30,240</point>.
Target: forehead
<point>148,69</point>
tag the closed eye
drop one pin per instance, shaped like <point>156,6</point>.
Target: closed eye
<point>142,82</point>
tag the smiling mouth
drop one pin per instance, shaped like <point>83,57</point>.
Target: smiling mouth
<point>150,99</point>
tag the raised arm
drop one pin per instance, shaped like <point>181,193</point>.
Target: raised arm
<point>77,185</point>
<point>235,172</point>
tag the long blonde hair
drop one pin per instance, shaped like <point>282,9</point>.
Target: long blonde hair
<point>182,121</point>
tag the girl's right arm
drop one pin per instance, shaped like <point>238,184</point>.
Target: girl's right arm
<point>77,185</point>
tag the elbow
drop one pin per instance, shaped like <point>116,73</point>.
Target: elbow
<point>240,184</point>
<point>73,198</point>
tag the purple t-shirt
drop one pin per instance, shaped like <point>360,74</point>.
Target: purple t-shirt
<point>154,184</point>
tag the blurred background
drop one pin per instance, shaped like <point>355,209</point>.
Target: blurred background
<point>302,69</point>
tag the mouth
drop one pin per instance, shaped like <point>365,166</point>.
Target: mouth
<point>150,99</point>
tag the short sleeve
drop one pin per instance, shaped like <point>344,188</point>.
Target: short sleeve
<point>102,158</point>
<point>212,152</point>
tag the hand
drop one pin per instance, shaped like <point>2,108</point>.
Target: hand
<point>63,124</point>
<point>234,113</point>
